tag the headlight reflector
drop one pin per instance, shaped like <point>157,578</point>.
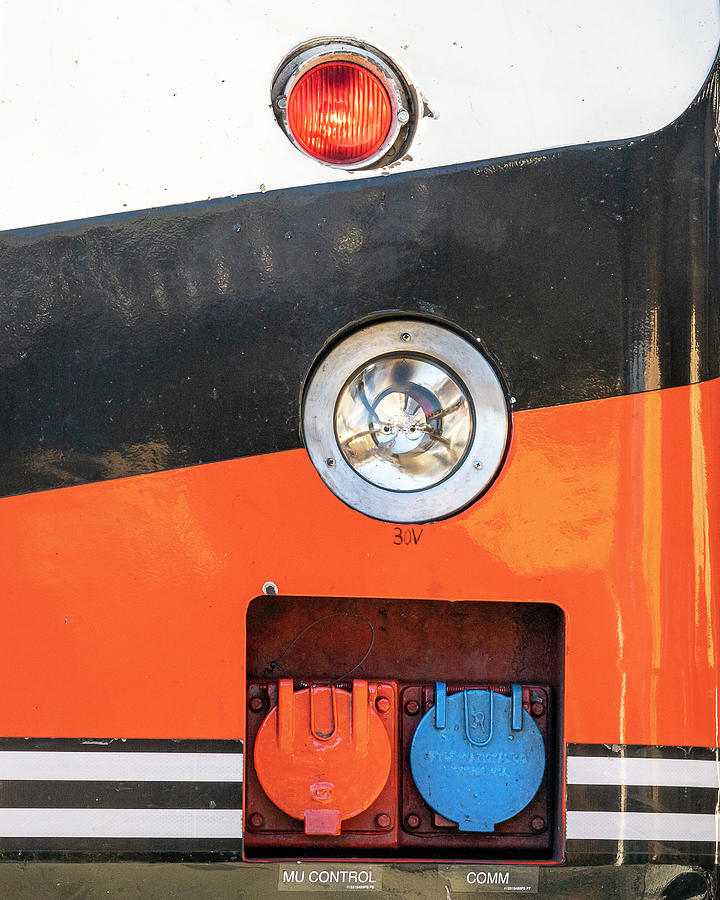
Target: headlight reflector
<point>404,423</point>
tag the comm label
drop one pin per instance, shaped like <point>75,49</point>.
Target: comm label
<point>491,879</point>
<point>329,877</point>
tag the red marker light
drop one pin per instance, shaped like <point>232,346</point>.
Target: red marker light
<point>339,112</point>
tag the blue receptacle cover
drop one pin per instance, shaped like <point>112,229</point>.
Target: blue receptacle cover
<point>477,757</point>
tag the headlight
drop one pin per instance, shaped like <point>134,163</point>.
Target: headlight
<point>406,421</point>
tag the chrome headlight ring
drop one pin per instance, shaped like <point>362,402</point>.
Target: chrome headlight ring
<point>406,420</point>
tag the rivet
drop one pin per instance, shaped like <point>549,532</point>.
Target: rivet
<point>412,707</point>
<point>537,823</point>
<point>255,820</point>
<point>537,709</point>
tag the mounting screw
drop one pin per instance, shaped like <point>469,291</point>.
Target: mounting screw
<point>256,704</point>
<point>412,821</point>
<point>383,820</point>
<point>282,102</point>
<point>537,823</point>
<point>403,116</point>
<point>383,704</point>
<point>405,336</point>
<point>412,707</point>
<point>255,820</point>
<point>477,464</point>
<point>537,708</point>
<point>330,461</point>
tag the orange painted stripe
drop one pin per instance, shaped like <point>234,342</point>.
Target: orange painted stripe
<point>123,602</point>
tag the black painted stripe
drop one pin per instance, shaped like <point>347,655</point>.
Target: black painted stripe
<point>138,849</point>
<point>140,806</point>
<point>639,798</point>
<point>173,337</point>
<point>120,745</point>
<point>92,795</point>
<point>597,853</point>
<point>120,795</point>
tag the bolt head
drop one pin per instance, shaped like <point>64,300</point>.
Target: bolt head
<point>255,820</point>
<point>403,116</point>
<point>282,102</point>
<point>537,708</point>
<point>383,704</point>
<point>256,704</point>
<point>412,821</point>
<point>537,823</point>
<point>383,820</point>
<point>412,707</point>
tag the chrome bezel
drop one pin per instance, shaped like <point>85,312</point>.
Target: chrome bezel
<point>402,96</point>
<point>436,342</point>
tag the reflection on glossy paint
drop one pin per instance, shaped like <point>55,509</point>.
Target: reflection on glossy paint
<point>705,623</point>
<point>604,508</point>
<point>647,445</point>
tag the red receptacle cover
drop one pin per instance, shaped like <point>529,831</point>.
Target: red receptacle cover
<point>321,765</point>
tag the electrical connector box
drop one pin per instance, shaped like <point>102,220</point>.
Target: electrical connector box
<point>403,729</point>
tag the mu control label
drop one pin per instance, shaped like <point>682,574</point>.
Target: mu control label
<point>330,878</point>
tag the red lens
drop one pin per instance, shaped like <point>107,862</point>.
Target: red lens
<point>339,112</point>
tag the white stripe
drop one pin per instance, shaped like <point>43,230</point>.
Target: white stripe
<point>35,765</point>
<point>184,823</point>
<point>656,772</point>
<point>627,826</point>
<point>121,823</point>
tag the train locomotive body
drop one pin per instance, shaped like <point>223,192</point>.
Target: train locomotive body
<point>360,529</point>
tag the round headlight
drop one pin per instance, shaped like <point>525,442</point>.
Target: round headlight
<point>406,421</point>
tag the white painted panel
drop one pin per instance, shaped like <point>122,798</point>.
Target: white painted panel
<point>37,765</point>
<point>121,823</point>
<point>660,772</point>
<point>614,826</point>
<point>111,107</point>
